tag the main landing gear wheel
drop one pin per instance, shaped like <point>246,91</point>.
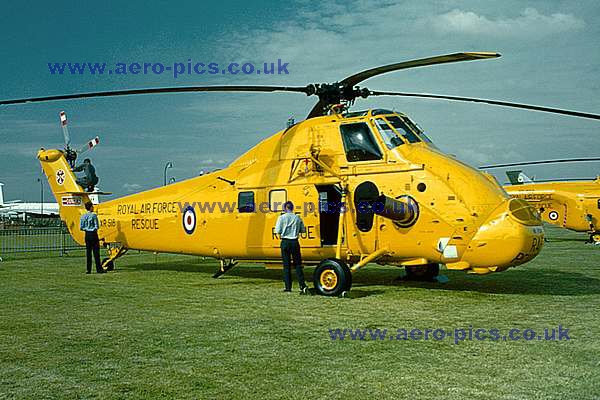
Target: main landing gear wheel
<point>332,277</point>
<point>422,272</point>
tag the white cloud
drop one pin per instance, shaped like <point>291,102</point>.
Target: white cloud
<point>132,187</point>
<point>529,23</point>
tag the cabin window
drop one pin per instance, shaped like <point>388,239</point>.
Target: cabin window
<point>359,143</point>
<point>246,202</point>
<point>403,130</point>
<point>276,199</point>
<point>388,135</point>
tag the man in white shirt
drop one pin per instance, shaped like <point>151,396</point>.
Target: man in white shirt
<point>288,227</point>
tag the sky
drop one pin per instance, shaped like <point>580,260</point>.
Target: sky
<point>550,56</point>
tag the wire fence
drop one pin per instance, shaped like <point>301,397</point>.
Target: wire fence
<point>30,239</point>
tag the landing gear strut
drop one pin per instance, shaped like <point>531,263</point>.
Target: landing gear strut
<point>226,265</point>
<point>114,251</point>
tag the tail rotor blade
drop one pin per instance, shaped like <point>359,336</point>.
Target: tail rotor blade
<point>89,145</point>
<point>65,129</point>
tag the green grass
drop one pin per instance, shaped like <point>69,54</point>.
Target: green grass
<point>161,327</point>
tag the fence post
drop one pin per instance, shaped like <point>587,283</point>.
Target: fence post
<point>62,240</point>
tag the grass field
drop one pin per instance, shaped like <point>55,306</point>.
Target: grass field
<point>161,327</point>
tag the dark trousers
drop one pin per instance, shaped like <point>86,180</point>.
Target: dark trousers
<point>290,251</point>
<point>92,244</point>
<point>87,183</point>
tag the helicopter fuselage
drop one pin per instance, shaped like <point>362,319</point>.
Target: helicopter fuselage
<point>366,183</point>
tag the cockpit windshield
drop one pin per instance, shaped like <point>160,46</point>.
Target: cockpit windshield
<point>388,135</point>
<point>402,129</point>
<point>416,128</point>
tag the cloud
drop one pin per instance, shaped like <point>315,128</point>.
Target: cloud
<point>530,23</point>
<point>132,187</point>
<point>323,43</point>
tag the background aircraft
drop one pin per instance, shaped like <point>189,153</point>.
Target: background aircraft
<point>16,208</point>
<point>573,204</point>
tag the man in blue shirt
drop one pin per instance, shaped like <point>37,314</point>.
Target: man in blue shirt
<point>288,227</point>
<point>89,224</point>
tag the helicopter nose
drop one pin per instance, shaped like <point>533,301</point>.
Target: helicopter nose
<point>512,235</point>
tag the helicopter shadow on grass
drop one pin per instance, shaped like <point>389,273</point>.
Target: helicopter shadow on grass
<point>246,272</point>
<point>560,240</point>
<point>517,281</point>
<point>538,282</point>
<point>210,267</point>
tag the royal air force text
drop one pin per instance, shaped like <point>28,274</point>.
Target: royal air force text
<point>142,210</point>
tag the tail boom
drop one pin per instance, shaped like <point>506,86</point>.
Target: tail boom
<point>68,194</point>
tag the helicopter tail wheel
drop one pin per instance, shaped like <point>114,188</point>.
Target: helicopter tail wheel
<point>108,266</point>
<point>595,238</point>
<point>426,272</point>
<point>332,277</point>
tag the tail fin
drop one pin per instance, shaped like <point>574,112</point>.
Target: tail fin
<point>518,177</point>
<point>1,194</point>
<point>69,195</point>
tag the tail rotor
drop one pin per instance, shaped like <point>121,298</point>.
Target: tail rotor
<point>71,154</point>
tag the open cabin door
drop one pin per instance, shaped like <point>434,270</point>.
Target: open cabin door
<point>329,205</point>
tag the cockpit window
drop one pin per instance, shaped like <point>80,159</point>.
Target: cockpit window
<point>359,143</point>
<point>388,135</point>
<point>402,129</point>
<point>356,114</point>
<point>416,128</point>
<point>380,111</point>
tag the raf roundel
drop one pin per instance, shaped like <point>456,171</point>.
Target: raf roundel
<point>60,176</point>
<point>189,220</point>
<point>553,215</point>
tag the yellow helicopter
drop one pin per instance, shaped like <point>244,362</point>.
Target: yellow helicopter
<point>370,186</point>
<point>572,204</point>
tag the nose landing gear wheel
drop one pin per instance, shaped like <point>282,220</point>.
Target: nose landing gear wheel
<point>332,277</point>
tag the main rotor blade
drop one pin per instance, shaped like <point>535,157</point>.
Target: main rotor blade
<point>492,102</point>
<point>448,58</point>
<point>562,160</point>
<point>184,89</point>
<point>554,180</point>
<point>355,79</point>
